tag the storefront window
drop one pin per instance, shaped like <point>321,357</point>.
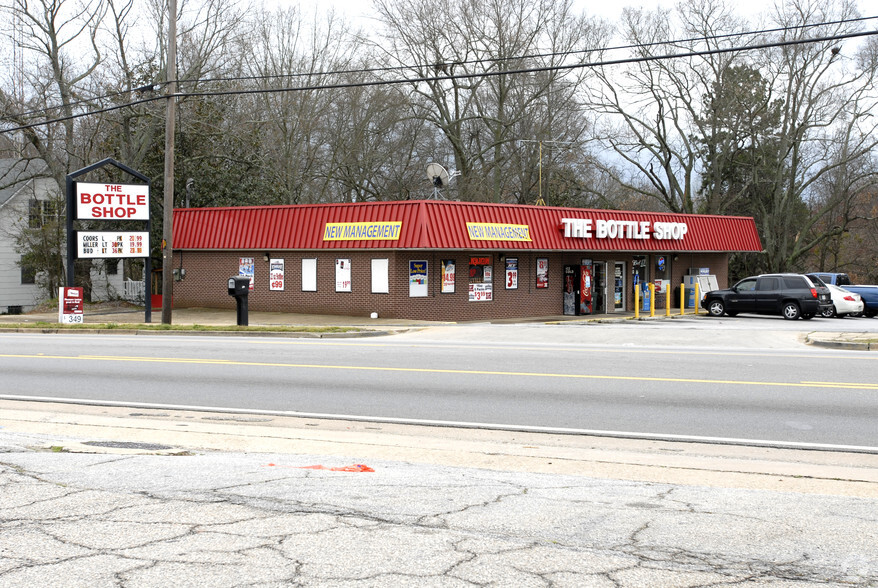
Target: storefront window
<point>380,276</point>
<point>342,275</point>
<point>480,279</point>
<point>309,275</point>
<point>448,276</point>
<point>542,272</point>
<point>418,279</point>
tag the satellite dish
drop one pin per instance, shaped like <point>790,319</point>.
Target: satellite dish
<point>437,174</point>
<point>439,177</point>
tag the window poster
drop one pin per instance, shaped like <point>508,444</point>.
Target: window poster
<point>511,273</point>
<point>542,272</point>
<point>342,275</point>
<point>276,275</point>
<point>481,293</point>
<point>245,268</point>
<point>448,269</point>
<point>417,278</point>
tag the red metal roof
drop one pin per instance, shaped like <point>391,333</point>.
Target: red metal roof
<point>429,224</point>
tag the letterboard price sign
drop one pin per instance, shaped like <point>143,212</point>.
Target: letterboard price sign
<point>112,244</point>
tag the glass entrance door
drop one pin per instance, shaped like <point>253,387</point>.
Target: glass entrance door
<point>599,291</point>
<point>619,286</point>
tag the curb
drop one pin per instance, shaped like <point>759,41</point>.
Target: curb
<point>144,332</point>
<point>835,344</point>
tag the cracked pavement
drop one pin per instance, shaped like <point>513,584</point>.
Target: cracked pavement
<point>215,515</point>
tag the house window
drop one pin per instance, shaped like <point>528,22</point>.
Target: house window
<point>28,273</point>
<point>112,267</point>
<point>41,212</point>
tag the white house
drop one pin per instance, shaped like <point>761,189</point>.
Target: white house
<point>27,196</point>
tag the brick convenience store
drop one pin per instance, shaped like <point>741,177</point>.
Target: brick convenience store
<point>448,261</point>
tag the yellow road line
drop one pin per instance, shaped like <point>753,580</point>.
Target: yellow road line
<point>234,363</point>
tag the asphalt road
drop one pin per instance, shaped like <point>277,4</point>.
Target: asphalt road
<point>740,380</point>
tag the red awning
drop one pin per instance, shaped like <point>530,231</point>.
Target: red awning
<point>429,224</point>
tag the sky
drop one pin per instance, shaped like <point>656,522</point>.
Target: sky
<point>607,9</point>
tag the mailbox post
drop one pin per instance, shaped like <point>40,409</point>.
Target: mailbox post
<point>239,287</point>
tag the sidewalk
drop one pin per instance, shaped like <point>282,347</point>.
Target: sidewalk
<point>95,496</point>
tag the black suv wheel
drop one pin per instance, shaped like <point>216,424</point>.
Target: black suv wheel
<point>791,311</point>
<point>716,307</point>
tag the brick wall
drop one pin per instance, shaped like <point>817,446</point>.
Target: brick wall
<point>207,273</point>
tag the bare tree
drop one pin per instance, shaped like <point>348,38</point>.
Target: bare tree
<point>826,123</point>
<point>648,112</point>
<point>742,132</point>
<point>451,44</point>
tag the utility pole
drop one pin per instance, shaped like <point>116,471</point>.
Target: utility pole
<point>167,222</point>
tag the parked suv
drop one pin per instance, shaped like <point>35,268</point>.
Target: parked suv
<point>790,295</point>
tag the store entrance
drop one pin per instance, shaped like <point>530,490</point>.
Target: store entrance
<point>640,278</point>
<point>599,291</point>
<point>619,286</point>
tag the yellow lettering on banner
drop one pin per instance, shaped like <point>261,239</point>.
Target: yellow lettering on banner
<point>372,231</point>
<point>497,232</point>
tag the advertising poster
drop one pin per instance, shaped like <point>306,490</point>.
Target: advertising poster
<point>511,273</point>
<point>70,306</point>
<point>448,270</point>
<point>481,293</point>
<point>585,298</point>
<point>342,275</point>
<point>542,272</point>
<point>276,275</point>
<point>417,279</point>
<point>245,268</point>
<point>487,273</point>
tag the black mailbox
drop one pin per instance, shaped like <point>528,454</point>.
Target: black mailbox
<point>239,287</point>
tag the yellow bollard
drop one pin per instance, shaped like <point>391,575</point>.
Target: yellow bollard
<point>667,299</point>
<point>636,302</point>
<point>651,299</point>
<point>697,298</point>
<point>682,299</point>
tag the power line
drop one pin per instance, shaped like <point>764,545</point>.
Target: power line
<point>428,79</point>
<point>532,55</point>
<point>157,86</point>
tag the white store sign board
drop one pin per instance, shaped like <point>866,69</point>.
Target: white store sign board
<point>112,201</point>
<point>111,244</point>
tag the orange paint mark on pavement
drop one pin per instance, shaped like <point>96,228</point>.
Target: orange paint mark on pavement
<point>357,467</point>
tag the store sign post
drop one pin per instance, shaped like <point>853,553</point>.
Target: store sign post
<point>88,201</point>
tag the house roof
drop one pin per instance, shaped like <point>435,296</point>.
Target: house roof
<point>15,174</point>
<point>430,224</point>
